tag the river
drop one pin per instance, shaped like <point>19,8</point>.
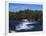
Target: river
<point>24,25</point>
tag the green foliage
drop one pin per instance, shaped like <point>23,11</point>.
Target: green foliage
<point>26,14</point>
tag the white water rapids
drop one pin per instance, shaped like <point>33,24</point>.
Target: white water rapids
<point>24,25</point>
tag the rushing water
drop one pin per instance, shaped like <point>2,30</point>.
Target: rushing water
<point>24,25</point>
